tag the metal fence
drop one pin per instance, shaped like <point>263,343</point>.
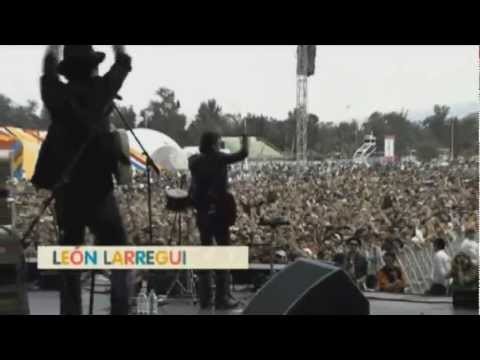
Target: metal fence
<point>416,261</point>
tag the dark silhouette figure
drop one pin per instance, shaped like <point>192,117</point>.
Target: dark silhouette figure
<point>216,210</point>
<point>80,138</point>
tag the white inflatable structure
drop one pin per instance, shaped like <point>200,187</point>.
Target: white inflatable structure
<point>152,140</point>
<point>368,147</point>
<point>191,150</point>
<point>171,158</point>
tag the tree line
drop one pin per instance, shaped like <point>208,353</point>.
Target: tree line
<point>325,138</point>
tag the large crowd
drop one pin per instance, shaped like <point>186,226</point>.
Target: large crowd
<point>383,208</point>
<point>325,205</point>
<point>412,205</point>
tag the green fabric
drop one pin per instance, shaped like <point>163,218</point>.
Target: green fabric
<point>258,148</point>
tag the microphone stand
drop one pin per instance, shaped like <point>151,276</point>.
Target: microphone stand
<point>245,167</point>
<point>64,179</point>
<point>149,162</point>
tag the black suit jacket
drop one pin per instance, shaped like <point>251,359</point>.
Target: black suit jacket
<point>210,175</point>
<point>75,108</point>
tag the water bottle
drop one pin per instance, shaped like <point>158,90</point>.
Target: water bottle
<point>153,303</point>
<point>142,300</point>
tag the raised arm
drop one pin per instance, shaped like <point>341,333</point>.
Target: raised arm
<point>118,72</point>
<point>119,49</point>
<point>51,87</point>
<point>238,156</point>
<point>51,60</point>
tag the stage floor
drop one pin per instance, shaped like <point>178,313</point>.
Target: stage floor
<point>47,303</point>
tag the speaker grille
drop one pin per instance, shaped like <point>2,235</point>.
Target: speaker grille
<point>309,287</point>
<point>287,286</point>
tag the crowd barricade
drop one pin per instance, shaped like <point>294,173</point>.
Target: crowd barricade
<point>416,267</point>
<point>373,254</point>
<point>416,262</point>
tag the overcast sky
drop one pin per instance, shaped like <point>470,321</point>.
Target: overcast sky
<point>350,81</point>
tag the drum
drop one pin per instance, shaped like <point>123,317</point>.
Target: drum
<point>177,200</point>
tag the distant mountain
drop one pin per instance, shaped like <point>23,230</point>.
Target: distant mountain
<point>459,110</point>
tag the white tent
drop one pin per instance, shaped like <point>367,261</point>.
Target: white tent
<point>191,150</point>
<point>171,158</point>
<point>152,140</point>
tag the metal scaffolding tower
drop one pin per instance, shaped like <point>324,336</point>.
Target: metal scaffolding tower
<point>305,68</point>
<point>302,118</point>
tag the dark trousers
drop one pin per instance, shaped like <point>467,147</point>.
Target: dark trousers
<point>437,290</point>
<point>102,216</point>
<point>210,228</point>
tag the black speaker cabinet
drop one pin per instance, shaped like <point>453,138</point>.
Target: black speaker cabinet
<point>465,298</point>
<point>309,287</point>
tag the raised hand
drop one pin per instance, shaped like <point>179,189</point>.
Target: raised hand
<point>51,60</point>
<point>53,50</point>
<point>117,49</point>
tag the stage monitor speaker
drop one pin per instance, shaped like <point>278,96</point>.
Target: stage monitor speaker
<point>309,287</point>
<point>465,298</point>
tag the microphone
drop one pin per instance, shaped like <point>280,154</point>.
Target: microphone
<point>274,222</point>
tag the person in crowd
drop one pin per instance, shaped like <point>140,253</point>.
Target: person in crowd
<point>339,260</point>
<point>469,245</point>
<point>281,257</point>
<point>464,272</point>
<point>355,263</point>
<point>390,278</point>
<point>441,269</point>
